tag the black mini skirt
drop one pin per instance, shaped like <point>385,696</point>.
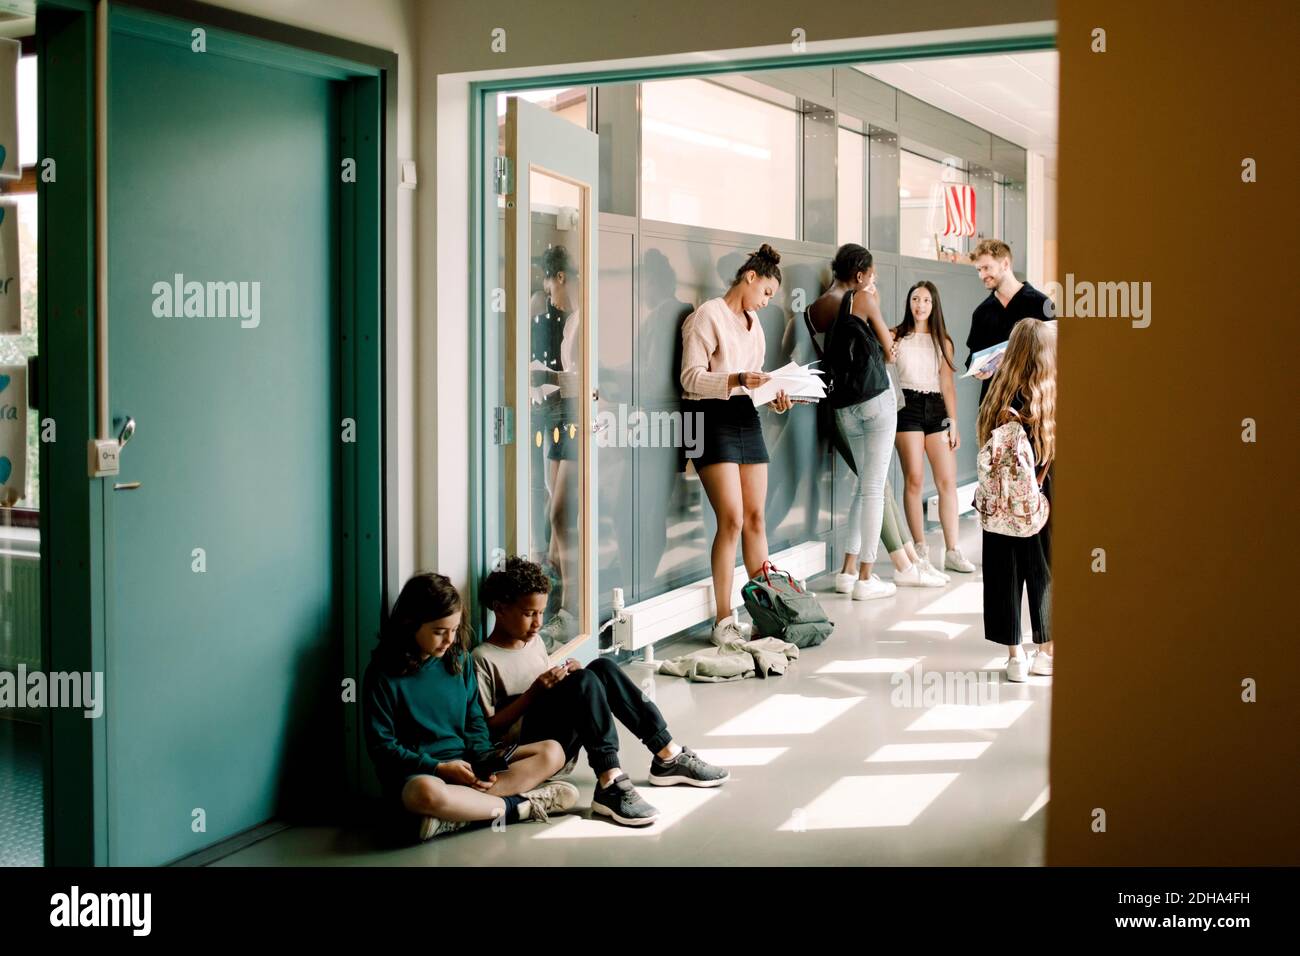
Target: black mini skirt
<point>731,431</point>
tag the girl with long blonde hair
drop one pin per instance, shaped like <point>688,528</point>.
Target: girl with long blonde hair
<point>1022,390</point>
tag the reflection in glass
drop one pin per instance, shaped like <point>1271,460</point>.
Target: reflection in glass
<point>557,351</point>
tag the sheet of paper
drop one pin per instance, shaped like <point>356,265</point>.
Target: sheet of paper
<point>797,381</point>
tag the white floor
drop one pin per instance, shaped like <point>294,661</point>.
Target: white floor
<point>832,763</point>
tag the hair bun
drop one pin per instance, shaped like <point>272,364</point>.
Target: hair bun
<point>767,252</point>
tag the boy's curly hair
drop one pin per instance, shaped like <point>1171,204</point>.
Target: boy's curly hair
<point>518,578</point>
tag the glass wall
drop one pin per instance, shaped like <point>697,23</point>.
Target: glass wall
<point>851,178</point>
<point>922,204</point>
<point>716,158</point>
<point>694,174</point>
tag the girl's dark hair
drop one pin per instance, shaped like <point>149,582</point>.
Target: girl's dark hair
<point>850,259</point>
<point>519,577</point>
<point>556,259</point>
<point>764,264</point>
<point>938,331</point>
<point>425,597</point>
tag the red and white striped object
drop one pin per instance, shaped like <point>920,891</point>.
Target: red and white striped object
<point>959,209</point>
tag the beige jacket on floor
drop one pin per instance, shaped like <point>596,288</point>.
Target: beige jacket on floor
<point>735,660</point>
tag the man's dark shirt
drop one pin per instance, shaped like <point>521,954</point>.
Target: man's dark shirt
<point>991,324</point>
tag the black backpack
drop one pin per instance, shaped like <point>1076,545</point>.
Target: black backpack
<point>854,363</point>
<point>853,371</point>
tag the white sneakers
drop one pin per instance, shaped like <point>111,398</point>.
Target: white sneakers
<point>731,631</point>
<point>1019,668</point>
<point>920,576</point>
<point>872,588</point>
<point>954,560</point>
<point>844,583</point>
<point>924,562</point>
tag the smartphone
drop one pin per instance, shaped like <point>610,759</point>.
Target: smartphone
<point>497,762</point>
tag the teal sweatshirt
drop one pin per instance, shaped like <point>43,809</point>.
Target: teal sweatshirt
<point>414,722</point>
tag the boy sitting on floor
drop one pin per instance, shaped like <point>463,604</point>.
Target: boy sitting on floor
<point>526,699</point>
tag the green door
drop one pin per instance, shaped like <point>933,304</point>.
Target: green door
<point>222,618</point>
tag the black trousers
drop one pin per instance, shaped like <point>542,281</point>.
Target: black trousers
<point>580,710</point>
<point>1012,565</point>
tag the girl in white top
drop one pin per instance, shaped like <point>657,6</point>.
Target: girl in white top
<point>927,422</point>
<point>722,356</point>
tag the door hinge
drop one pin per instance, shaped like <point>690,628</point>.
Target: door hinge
<point>503,175</point>
<point>503,425</point>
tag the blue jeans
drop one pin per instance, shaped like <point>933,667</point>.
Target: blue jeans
<point>869,429</point>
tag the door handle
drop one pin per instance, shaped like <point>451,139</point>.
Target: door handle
<point>125,435</point>
<point>126,485</point>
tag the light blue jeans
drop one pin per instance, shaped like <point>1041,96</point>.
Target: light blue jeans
<point>869,429</point>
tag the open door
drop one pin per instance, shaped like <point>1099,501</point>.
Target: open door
<point>540,364</point>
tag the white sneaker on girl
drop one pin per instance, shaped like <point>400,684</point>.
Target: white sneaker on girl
<point>1017,668</point>
<point>915,577</point>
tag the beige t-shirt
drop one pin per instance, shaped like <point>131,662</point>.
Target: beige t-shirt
<point>504,674</point>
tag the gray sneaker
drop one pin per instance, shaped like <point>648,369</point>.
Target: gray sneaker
<point>686,768</point>
<point>622,804</point>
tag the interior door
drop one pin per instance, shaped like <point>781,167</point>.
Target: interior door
<point>545,468</point>
<point>222,534</point>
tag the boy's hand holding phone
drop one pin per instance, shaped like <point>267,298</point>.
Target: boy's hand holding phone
<point>550,677</point>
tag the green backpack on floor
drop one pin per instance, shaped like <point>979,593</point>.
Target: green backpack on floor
<point>781,608</point>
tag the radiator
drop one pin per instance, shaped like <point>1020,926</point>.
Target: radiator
<point>683,608</point>
<point>965,502</point>
<point>20,609</point>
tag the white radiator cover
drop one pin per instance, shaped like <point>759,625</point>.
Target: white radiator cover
<point>683,608</point>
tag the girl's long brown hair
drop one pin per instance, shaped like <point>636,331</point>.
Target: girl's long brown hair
<point>1028,369</point>
<point>425,597</point>
<point>939,336</point>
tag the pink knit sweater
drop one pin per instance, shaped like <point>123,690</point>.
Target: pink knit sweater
<point>715,343</point>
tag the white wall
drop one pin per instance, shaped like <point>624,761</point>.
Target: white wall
<point>389,25</point>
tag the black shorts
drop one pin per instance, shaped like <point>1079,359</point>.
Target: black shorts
<point>923,412</point>
<point>731,431</point>
<point>560,431</point>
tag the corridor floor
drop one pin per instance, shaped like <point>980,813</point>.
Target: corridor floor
<point>832,764</point>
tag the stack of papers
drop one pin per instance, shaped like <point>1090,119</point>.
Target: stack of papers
<point>987,360</point>
<point>802,383</point>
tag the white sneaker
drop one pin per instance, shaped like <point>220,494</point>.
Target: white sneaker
<point>916,577</point>
<point>553,796</point>
<point>1016,669</point>
<point>1042,666</point>
<point>728,632</point>
<point>431,827</point>
<point>930,569</point>
<point>872,588</point>
<point>954,560</point>
<point>844,583</point>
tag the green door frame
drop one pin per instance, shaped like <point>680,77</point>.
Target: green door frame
<point>482,111</point>
<point>73,564</point>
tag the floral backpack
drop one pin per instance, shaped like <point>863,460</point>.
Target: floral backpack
<point>1008,498</point>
